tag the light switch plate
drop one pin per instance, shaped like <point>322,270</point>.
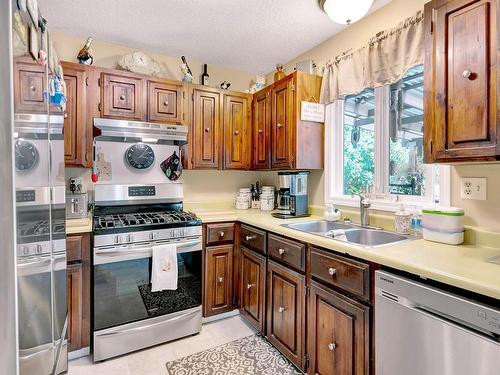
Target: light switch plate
<point>473,188</point>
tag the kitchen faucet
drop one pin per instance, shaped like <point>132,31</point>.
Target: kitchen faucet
<point>364,205</point>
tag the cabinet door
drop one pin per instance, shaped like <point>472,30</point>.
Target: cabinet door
<point>218,280</point>
<point>30,83</point>
<point>282,127</point>
<point>286,312</point>
<point>164,102</point>
<point>460,81</point>
<point>252,287</point>
<point>74,302</point>
<point>236,132</point>
<point>206,128</point>
<point>261,130</point>
<point>77,150</point>
<point>122,96</point>
<point>338,334</point>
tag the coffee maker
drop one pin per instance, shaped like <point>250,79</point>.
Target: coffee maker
<point>292,195</point>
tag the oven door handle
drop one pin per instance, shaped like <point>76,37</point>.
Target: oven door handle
<point>141,252</point>
<point>149,326</point>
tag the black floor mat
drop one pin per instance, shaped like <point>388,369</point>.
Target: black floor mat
<point>187,295</point>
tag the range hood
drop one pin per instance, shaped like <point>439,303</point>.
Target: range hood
<point>118,130</point>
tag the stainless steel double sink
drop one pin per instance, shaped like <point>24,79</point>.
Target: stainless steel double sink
<point>350,233</point>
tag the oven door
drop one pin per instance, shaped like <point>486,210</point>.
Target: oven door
<point>122,283</point>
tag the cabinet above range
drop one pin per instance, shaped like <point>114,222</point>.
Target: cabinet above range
<point>227,129</point>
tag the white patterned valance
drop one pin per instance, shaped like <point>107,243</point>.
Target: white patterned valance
<point>384,60</point>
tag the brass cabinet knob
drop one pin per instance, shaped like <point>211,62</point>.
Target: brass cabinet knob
<point>279,126</point>
<point>466,73</point>
<point>33,88</point>
<point>281,251</point>
<point>261,131</point>
<point>165,103</point>
<point>122,97</point>
<point>249,286</point>
<point>250,238</point>
<point>207,130</point>
<point>332,271</point>
<point>221,234</point>
<point>281,309</point>
<point>332,346</point>
<point>236,132</point>
<point>221,279</point>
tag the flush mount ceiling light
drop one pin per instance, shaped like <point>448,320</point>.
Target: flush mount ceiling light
<point>346,11</point>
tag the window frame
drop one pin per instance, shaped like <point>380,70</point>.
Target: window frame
<point>334,161</point>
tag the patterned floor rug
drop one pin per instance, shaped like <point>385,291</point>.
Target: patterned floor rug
<point>252,355</point>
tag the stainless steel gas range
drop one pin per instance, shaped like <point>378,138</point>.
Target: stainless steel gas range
<point>136,208</point>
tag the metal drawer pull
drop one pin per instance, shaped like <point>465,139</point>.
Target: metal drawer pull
<point>165,103</point>
<point>280,126</point>
<point>332,346</point>
<point>207,130</point>
<point>250,238</point>
<point>466,73</point>
<point>332,271</point>
<point>281,251</point>
<point>281,309</point>
<point>249,286</point>
<point>261,131</point>
<point>221,279</point>
<point>236,132</point>
<point>122,97</point>
<point>221,234</point>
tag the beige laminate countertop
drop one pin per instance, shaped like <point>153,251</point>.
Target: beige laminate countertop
<point>460,266</point>
<point>77,226</point>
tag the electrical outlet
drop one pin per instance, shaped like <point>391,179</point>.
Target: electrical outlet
<point>473,188</point>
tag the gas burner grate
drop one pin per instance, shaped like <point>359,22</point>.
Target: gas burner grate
<point>142,219</point>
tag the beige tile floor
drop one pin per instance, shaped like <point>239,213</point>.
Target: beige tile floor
<point>152,361</point>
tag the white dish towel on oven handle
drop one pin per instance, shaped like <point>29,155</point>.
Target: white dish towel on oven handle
<point>164,273</point>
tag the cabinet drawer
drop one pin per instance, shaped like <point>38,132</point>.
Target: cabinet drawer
<point>253,238</point>
<point>217,233</point>
<point>74,248</point>
<point>342,272</point>
<point>289,252</point>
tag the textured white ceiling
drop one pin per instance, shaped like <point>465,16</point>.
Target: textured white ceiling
<point>249,35</point>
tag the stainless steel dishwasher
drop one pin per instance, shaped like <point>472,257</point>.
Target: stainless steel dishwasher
<point>421,330</point>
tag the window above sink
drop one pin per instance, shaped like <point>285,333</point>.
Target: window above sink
<point>375,143</point>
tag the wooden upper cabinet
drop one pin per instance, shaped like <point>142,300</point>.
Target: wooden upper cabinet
<point>286,312</point>
<point>30,83</point>
<point>218,280</point>
<point>236,131</point>
<point>461,81</point>
<point>252,287</point>
<point>338,334</point>
<point>261,130</point>
<point>165,102</point>
<point>77,150</point>
<point>206,125</point>
<point>122,96</point>
<point>282,127</point>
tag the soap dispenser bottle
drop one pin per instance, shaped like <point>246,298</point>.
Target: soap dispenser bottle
<point>402,220</point>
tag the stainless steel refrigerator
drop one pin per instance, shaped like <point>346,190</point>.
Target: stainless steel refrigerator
<point>33,313</point>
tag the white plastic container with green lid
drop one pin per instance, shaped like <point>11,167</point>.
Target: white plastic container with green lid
<point>443,224</point>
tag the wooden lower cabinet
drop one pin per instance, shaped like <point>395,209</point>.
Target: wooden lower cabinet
<point>338,333</point>
<point>218,280</point>
<point>286,304</point>
<point>74,285</point>
<point>252,287</point>
<point>78,291</point>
